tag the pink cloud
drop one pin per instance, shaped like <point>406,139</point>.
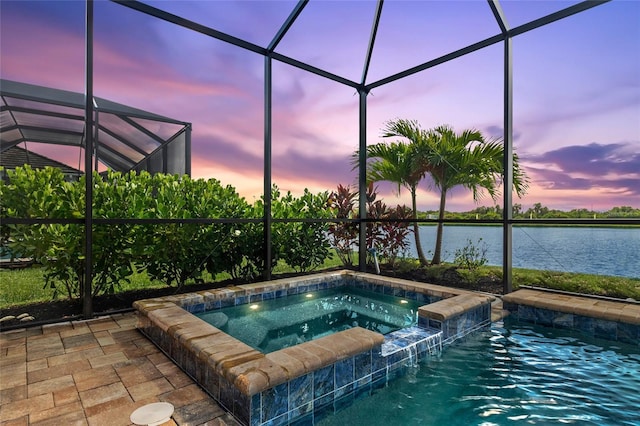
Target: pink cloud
<point>49,56</point>
<point>155,66</point>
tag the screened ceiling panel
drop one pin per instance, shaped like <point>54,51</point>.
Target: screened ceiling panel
<point>127,132</point>
<point>43,106</point>
<point>114,161</point>
<point>42,94</point>
<point>162,129</point>
<point>46,135</point>
<point>233,20</point>
<point>518,12</point>
<point>311,38</point>
<point>11,136</point>
<point>119,147</point>
<point>412,33</point>
<point>33,113</point>
<point>6,120</point>
<point>51,122</point>
<point>105,105</point>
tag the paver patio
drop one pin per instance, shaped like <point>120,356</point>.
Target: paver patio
<point>94,372</point>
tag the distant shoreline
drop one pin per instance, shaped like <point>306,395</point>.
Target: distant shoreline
<point>533,224</point>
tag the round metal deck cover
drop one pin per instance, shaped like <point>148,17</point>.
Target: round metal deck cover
<point>152,414</point>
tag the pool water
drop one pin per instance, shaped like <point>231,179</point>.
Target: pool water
<point>279,323</point>
<point>512,374</point>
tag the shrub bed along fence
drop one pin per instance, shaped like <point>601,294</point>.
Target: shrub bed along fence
<point>226,237</point>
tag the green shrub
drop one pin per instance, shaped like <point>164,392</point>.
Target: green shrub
<point>175,253</point>
<point>471,256</point>
<point>171,253</point>
<point>44,193</point>
<point>302,245</point>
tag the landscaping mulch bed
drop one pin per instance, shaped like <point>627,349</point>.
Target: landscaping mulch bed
<point>65,310</point>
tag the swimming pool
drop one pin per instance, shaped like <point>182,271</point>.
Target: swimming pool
<point>295,384</point>
<point>275,324</point>
<point>514,373</point>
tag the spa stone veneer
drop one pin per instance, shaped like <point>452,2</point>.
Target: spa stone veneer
<point>599,317</point>
<point>301,384</point>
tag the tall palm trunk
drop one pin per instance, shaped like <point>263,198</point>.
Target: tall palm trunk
<point>416,228</point>
<point>438,249</point>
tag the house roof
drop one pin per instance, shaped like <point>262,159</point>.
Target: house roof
<point>16,157</point>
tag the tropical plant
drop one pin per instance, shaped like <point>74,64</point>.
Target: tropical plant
<point>376,209</point>
<point>174,253</point>
<point>243,250</point>
<point>387,237</point>
<point>343,235</point>
<point>300,243</point>
<point>400,163</point>
<point>451,159</point>
<point>466,159</point>
<point>394,234</point>
<point>5,231</point>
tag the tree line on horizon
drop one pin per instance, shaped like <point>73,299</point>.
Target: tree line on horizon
<point>537,211</point>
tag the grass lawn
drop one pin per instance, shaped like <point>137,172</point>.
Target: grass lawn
<point>21,286</point>
<point>600,285</point>
<point>26,286</point>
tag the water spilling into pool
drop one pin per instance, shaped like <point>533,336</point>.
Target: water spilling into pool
<point>512,374</point>
<point>412,340</point>
<point>279,323</point>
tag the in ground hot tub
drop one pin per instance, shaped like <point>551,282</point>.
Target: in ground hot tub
<point>308,380</point>
<point>275,324</point>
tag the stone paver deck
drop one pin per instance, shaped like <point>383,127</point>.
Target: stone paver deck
<point>94,372</point>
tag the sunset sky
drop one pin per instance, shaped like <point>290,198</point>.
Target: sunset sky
<point>576,86</point>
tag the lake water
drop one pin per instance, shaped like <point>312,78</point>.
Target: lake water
<point>601,251</point>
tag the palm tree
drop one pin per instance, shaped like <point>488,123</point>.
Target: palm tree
<point>399,162</point>
<point>466,159</point>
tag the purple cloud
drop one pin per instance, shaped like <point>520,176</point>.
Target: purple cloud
<point>615,166</point>
<point>291,164</point>
<point>496,131</point>
<point>593,159</point>
<point>307,167</point>
<point>153,65</point>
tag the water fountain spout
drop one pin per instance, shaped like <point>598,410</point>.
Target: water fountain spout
<point>373,252</point>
